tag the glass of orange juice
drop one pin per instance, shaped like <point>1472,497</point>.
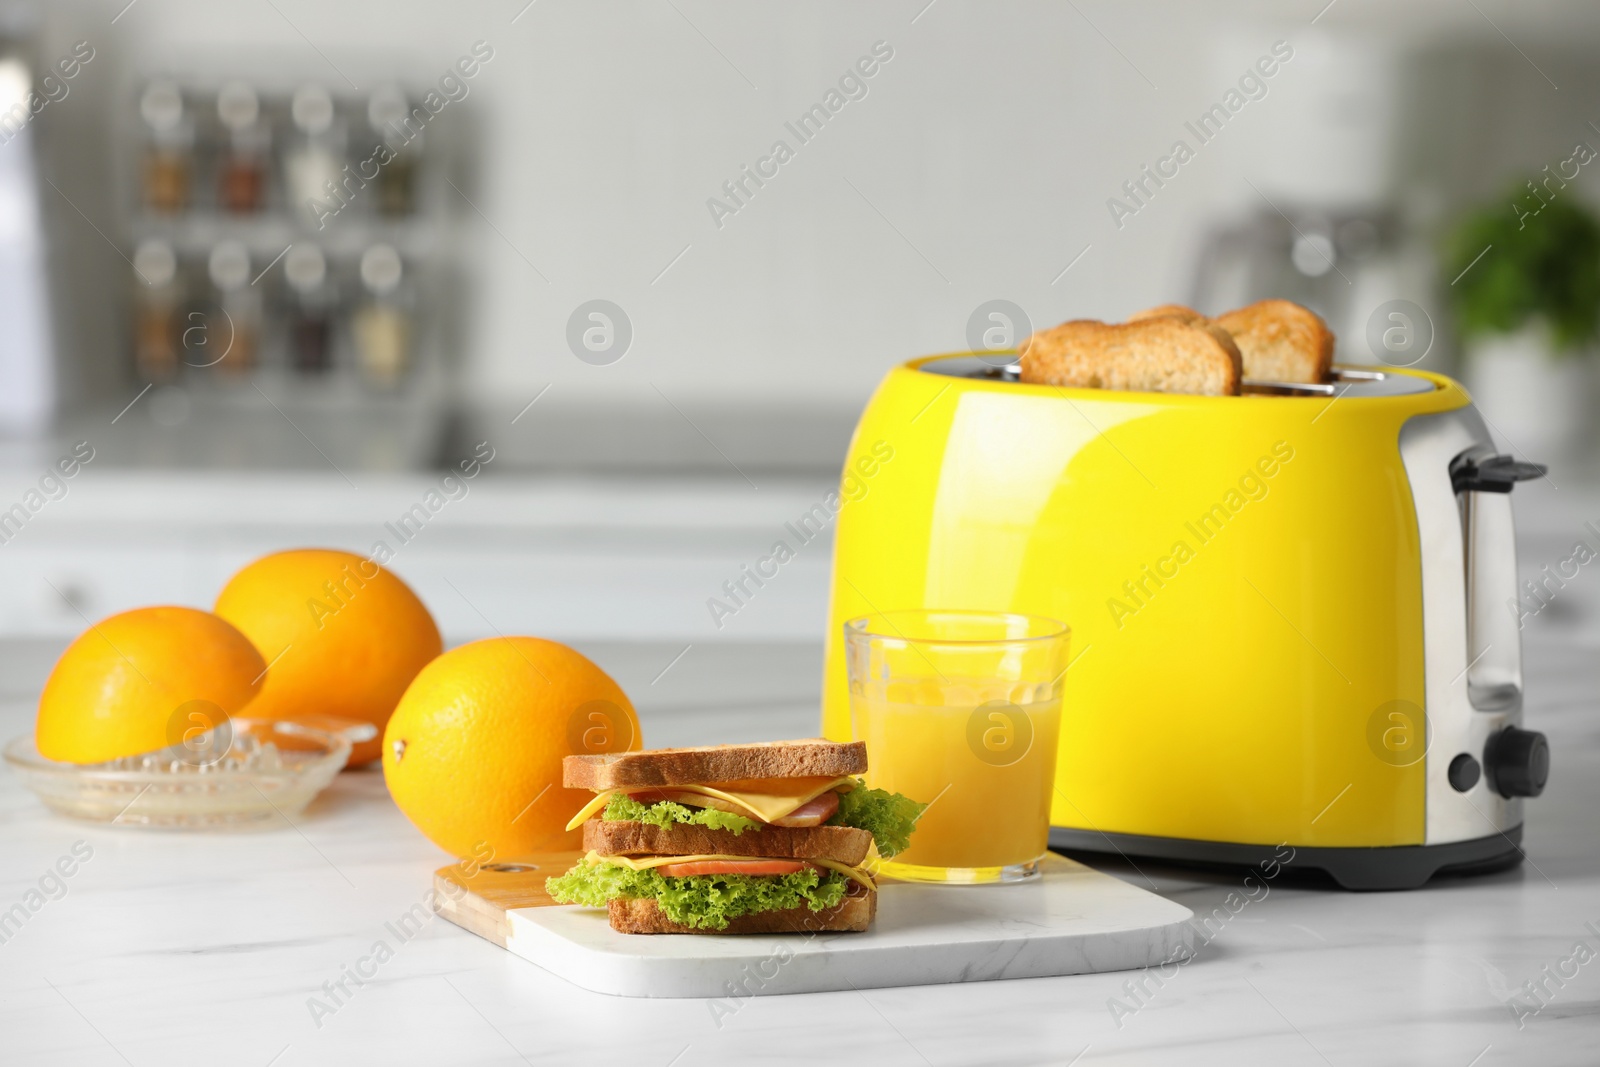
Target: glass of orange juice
<point>961,710</point>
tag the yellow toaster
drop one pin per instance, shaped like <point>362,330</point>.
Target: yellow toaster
<point>1293,612</point>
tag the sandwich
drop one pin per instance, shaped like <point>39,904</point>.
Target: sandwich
<point>775,837</point>
<point>1157,355</point>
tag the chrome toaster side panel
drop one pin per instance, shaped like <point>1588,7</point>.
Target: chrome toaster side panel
<point>1472,650</point>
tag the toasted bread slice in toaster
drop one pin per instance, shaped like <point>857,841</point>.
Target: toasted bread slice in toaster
<point>1280,341</point>
<point>1193,318</point>
<point>1169,311</point>
<point>1160,355</point>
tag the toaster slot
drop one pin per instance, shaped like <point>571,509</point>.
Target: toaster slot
<point>1355,382</point>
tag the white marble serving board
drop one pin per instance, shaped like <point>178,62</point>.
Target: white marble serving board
<point>1071,920</point>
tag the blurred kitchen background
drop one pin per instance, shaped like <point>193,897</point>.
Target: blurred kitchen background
<point>278,266</point>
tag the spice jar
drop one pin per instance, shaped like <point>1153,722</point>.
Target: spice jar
<point>382,324</point>
<point>228,336</point>
<point>242,173</point>
<point>314,163</point>
<point>311,301</point>
<point>169,149</point>
<point>396,179</point>
<point>157,298</point>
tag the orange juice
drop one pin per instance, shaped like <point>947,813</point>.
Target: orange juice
<point>986,769</point>
<point>961,711</point>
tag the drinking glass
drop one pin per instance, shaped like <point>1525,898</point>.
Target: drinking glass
<point>961,711</point>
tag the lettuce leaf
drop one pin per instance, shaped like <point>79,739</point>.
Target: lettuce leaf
<point>702,901</point>
<point>888,817</point>
<point>666,813</point>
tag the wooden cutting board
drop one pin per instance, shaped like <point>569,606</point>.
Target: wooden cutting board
<point>1071,920</point>
<point>481,901</point>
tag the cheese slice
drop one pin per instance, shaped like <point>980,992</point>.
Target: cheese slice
<point>763,800</point>
<point>645,863</point>
<point>590,809</point>
<point>855,874</point>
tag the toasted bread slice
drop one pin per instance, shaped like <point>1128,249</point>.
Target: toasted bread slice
<point>618,837</point>
<point>854,914</point>
<point>1159,355</point>
<point>1281,341</point>
<point>811,757</point>
<point>1169,311</point>
<point>1193,318</point>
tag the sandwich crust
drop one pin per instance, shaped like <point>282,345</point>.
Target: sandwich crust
<point>618,837</point>
<point>853,914</point>
<point>1281,341</point>
<point>707,765</point>
<point>1155,355</point>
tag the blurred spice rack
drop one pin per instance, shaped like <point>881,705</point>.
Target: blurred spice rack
<point>291,249</point>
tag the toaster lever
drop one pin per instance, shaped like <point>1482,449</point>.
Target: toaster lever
<point>1492,474</point>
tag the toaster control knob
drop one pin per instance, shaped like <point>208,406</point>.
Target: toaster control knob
<point>1517,762</point>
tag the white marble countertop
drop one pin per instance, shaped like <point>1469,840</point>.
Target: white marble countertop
<point>207,949</point>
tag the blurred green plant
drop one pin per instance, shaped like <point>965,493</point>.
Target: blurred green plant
<point>1544,267</point>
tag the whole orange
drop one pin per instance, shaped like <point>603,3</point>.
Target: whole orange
<point>473,753</point>
<point>343,635</point>
<point>138,681</point>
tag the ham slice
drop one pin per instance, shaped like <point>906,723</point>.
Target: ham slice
<point>813,812</point>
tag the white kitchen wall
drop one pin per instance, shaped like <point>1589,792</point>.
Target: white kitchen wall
<point>977,166</point>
